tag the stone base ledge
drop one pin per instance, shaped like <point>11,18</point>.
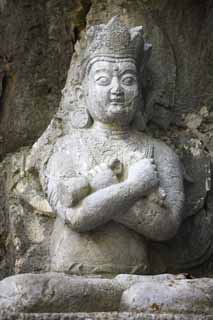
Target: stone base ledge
<point>101,316</point>
<point>60,296</point>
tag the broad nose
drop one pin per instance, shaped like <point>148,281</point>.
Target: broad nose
<point>116,86</point>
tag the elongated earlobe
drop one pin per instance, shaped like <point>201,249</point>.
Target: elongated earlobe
<point>80,118</point>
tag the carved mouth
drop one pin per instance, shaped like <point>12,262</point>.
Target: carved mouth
<point>118,101</point>
<point>116,107</point>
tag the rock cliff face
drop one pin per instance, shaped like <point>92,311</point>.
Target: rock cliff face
<point>37,41</point>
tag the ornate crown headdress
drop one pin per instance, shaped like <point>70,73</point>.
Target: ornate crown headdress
<point>116,40</point>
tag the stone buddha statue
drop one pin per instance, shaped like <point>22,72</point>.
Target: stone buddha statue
<point>111,186</point>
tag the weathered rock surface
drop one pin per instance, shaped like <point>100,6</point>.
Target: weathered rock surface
<point>25,228</point>
<point>175,296</point>
<point>178,108</point>
<point>100,316</point>
<point>25,231</point>
<point>37,42</point>
<point>58,293</point>
<point>52,292</point>
<point>34,57</point>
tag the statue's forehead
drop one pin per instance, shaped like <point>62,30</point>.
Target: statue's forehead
<point>113,65</point>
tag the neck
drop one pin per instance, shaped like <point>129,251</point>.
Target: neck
<point>113,131</point>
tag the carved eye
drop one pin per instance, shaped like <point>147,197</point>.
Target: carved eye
<point>128,80</point>
<point>103,80</point>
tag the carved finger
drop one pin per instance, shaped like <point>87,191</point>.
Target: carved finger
<point>138,155</point>
<point>92,172</point>
<point>99,168</point>
<point>134,158</point>
<point>96,170</point>
<point>108,161</point>
<point>103,166</point>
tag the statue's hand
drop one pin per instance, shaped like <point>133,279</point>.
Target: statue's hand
<point>72,191</point>
<point>158,197</point>
<point>143,175</point>
<point>101,177</point>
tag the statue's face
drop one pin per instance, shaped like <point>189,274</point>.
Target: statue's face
<point>112,91</point>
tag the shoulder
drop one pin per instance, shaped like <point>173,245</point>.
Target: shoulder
<point>168,163</point>
<point>156,148</point>
<point>66,154</point>
<point>165,157</point>
<point>60,162</point>
<point>64,142</point>
<point>164,152</point>
<point>69,144</point>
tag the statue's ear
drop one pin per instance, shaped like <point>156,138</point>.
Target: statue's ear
<point>80,117</point>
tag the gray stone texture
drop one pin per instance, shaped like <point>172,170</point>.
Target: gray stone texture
<point>60,293</point>
<point>37,40</point>
<point>141,201</point>
<point>178,110</point>
<point>176,296</point>
<point>179,80</point>
<point>100,316</point>
<point>191,137</point>
<point>25,231</point>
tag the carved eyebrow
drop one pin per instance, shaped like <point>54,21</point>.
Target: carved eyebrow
<point>120,72</point>
<point>132,71</point>
<point>101,70</point>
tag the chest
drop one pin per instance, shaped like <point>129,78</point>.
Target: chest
<point>93,151</point>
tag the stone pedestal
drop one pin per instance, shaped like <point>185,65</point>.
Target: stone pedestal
<point>148,297</point>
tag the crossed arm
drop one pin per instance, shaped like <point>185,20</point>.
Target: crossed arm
<point>158,214</point>
<point>137,202</point>
<point>104,201</point>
